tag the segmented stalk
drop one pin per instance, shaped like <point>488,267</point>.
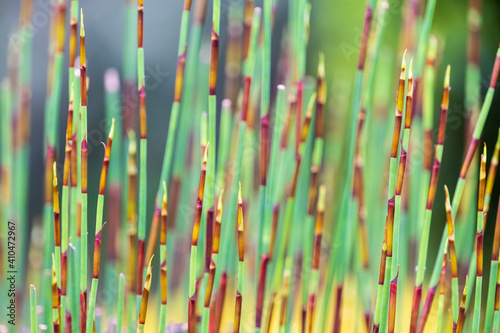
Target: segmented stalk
<point>431,194</point>
<point>479,243</point>
<point>491,305</point>
<point>453,259</point>
<point>241,265</point>
<point>144,300</point>
<point>98,230</point>
<point>464,170</point>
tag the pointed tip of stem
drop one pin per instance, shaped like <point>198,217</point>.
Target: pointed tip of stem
<point>205,154</point>
<point>112,131</point>
<point>82,27</point>
<point>447,77</point>
<point>54,173</point>
<point>165,196</point>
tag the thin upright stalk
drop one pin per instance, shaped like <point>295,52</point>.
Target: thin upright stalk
<point>431,194</point>
<point>55,298</point>
<point>490,303</point>
<point>241,265</point>
<point>492,172</point>
<point>479,243</point>
<point>461,313</point>
<point>163,260</point>
<point>83,178</point>
<point>210,268</point>
<point>397,196</point>
<point>453,260</point>
<point>381,308</point>
<point>314,280</point>
<point>463,172</point>
<point>144,300</point>
<point>194,243</point>
<point>98,231</point>
<point>141,80</point>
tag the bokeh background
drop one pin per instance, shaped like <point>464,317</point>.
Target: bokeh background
<point>336,27</point>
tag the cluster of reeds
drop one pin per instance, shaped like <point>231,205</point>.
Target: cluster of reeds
<point>268,242</point>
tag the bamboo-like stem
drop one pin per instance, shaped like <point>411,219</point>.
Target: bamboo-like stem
<point>194,240</point>
<point>453,259</point>
<point>132,228</point>
<point>479,243</point>
<point>98,231</point>
<point>65,213</point>
<point>314,280</point>
<point>461,313</point>
<point>491,304</point>
<point>381,311</point>
<point>141,234</point>
<point>241,265</point>
<point>427,115</point>
<point>317,157</point>
<point>397,196</point>
<point>163,260</point>
<point>144,299</point>
<point>209,270</point>
<point>492,172</point>
<point>442,284</point>
<point>173,122</point>
<point>424,240</point>
<point>464,170</point>
<point>55,297</point>
<point>83,178</point>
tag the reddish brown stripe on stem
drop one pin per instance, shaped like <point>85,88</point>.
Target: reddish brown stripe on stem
<point>264,139</point>
<point>209,238</point>
<point>163,282</point>
<point>199,12</point>
<point>61,18</point>
<point>496,238</point>
<point>49,160</point>
<point>401,172</point>
<point>83,311</point>
<point>274,230</point>
<point>179,76</point>
<point>338,310</point>
<point>221,295</point>
<point>142,111</point>
<point>390,225</point>
<point>396,135</point>
<point>140,263</point>
<point>494,74</point>
<point>237,312</point>
<point>97,254</point>
<point>140,23</point>
<point>214,61</point>
<point>261,290</point>
<point>64,273</point>
<point>247,82</point>
<point>479,250</point>
<point>153,235</point>
<point>364,40</point>
<point>84,166</point>
<point>392,303</point>
<point>417,296</point>
<point>497,297</point>
<point>210,283</point>
<point>67,159</point>
<point>72,41</point>
<point>187,5</point>
<point>431,194</point>
<point>192,315</point>
<point>426,309</point>
<point>468,158</point>
<point>427,165</point>
<point>83,84</point>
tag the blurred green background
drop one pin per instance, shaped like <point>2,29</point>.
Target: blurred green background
<point>335,30</point>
